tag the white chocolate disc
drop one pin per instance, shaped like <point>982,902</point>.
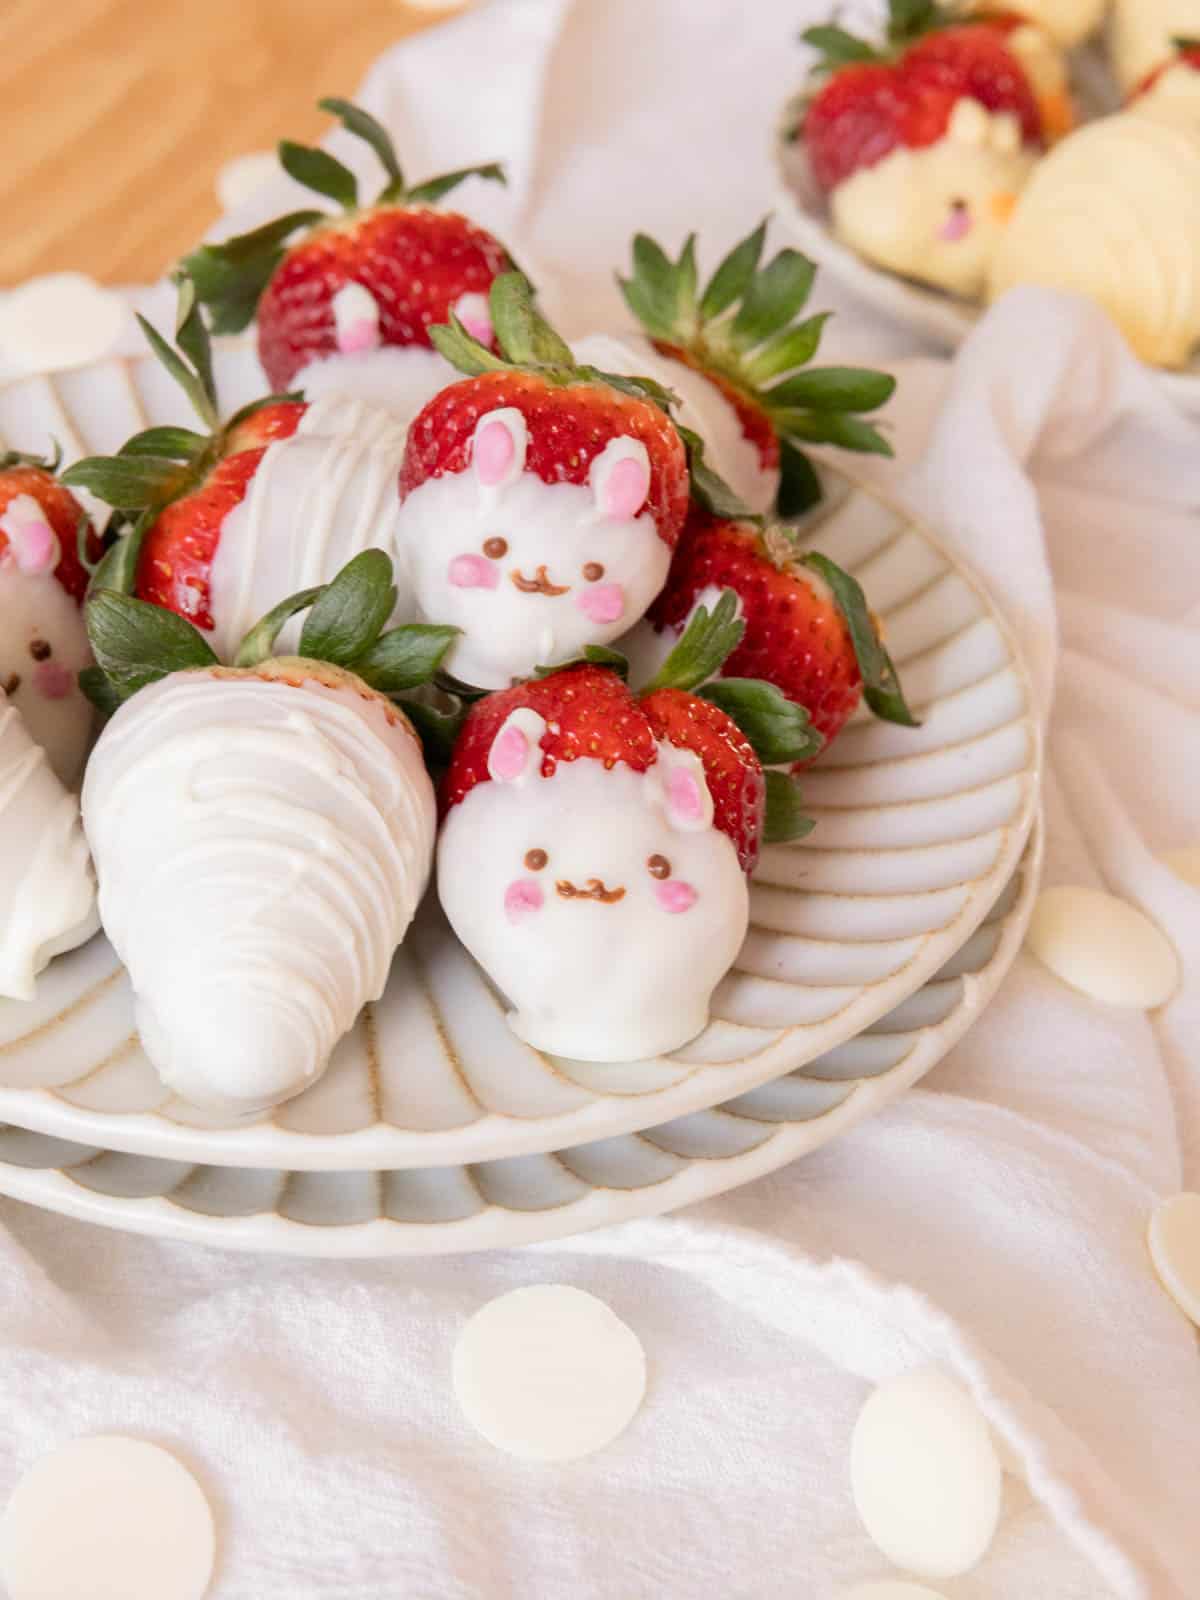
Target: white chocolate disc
<point>925,1476</point>
<point>1174,1238</point>
<point>107,1518</point>
<point>61,320</point>
<point>1103,947</point>
<point>1185,864</point>
<point>549,1373</point>
<point>245,175</point>
<point>891,1589</point>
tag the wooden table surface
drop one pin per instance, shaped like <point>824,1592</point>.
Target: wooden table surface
<point>121,112</point>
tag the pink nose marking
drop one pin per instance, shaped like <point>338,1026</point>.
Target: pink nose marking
<point>494,452</point>
<point>675,895</point>
<point>358,336</point>
<point>34,548</point>
<point>522,897</point>
<point>51,681</point>
<point>473,572</point>
<point>472,311</point>
<point>684,794</point>
<point>507,761</point>
<point>956,226</point>
<point>626,489</point>
<point>603,604</point>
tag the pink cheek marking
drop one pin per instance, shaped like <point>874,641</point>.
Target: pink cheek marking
<point>956,226</point>
<point>494,453</point>
<point>358,336</point>
<point>52,682</point>
<point>472,311</point>
<point>473,572</point>
<point>675,896</point>
<point>683,794</point>
<point>603,604</point>
<point>627,487</point>
<point>35,549</point>
<point>522,898</point>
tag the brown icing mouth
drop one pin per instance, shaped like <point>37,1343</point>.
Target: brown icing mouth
<point>538,584</point>
<point>594,890</point>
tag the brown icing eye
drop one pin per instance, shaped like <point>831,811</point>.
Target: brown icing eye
<point>659,867</point>
<point>40,650</point>
<point>593,572</point>
<point>535,860</point>
<point>12,683</point>
<point>494,548</point>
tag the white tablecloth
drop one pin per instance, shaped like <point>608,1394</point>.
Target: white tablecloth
<point>991,1223</point>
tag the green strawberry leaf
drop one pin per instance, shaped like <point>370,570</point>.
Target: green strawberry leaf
<point>318,170</point>
<point>709,489</point>
<point>848,433</point>
<point>779,729</point>
<point>909,20</point>
<point>364,126</point>
<point>117,568</point>
<point>193,384</point>
<point>787,350</point>
<point>1183,43</point>
<point>785,818</point>
<point>640,388</point>
<point>837,48</point>
<point>192,336</point>
<point>171,444</point>
<point>881,683</point>
<point>833,389</point>
<point>705,644</point>
<point>259,643</point>
<point>97,688</point>
<point>463,350</point>
<point>405,657</point>
<point>772,298</point>
<point>732,278</point>
<point>135,643</point>
<point>523,334</point>
<point>438,730</point>
<point>596,655</point>
<point>799,483</point>
<point>350,613</point>
<point>83,539</point>
<point>231,276</point>
<point>128,483</point>
<point>432,190</point>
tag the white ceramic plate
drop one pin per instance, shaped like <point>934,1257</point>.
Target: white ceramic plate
<point>524,1199</point>
<point>931,313</point>
<point>917,833</point>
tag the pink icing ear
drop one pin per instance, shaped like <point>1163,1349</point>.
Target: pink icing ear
<point>495,451</point>
<point>675,895</point>
<point>34,547</point>
<point>473,312</point>
<point>625,488</point>
<point>358,336</point>
<point>522,897</point>
<point>509,755</point>
<point>685,801</point>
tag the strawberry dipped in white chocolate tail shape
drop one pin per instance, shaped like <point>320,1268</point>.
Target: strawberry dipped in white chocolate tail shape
<point>540,499</point>
<point>262,833</point>
<point>233,520</point>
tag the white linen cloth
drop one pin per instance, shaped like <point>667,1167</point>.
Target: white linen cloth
<point>991,1223</point>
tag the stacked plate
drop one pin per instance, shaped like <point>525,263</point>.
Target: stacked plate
<point>874,943</point>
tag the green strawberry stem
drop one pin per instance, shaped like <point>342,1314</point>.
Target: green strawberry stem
<point>744,328</point>
<point>21,458</point>
<point>908,21</point>
<point>136,643</point>
<point>230,277</point>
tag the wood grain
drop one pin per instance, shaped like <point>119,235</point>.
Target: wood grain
<point>121,112</point>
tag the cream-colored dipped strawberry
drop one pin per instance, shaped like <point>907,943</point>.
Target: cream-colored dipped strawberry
<point>47,887</point>
<point>262,833</point>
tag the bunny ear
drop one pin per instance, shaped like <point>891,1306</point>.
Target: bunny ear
<point>620,478</point>
<point>356,319</point>
<point>516,752</point>
<point>498,447</point>
<point>683,789</point>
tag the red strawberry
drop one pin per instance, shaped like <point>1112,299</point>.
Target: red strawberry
<point>807,630</point>
<point>29,475</point>
<point>180,486</point>
<point>741,331</point>
<point>903,97</point>
<point>591,714</point>
<point>571,412</point>
<point>414,262</point>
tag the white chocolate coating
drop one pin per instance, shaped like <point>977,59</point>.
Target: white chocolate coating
<point>1069,22</point>
<point>590,980</point>
<point>1113,213</point>
<point>47,887</point>
<point>261,850</point>
<point>702,407</point>
<point>936,215</point>
<point>1141,35</point>
<point>396,379</point>
<point>556,530</point>
<point>317,499</point>
<point>43,644</point>
<point>1045,66</point>
<point>1174,98</point>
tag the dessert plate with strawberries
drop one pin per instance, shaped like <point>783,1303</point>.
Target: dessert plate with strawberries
<point>917,831</point>
<point>525,1199</point>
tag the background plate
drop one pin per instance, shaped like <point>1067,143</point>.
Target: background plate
<point>526,1199</point>
<point>917,833</point>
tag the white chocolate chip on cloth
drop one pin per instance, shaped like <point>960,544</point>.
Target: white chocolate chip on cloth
<point>243,176</point>
<point>1104,947</point>
<point>1174,1240</point>
<point>62,320</point>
